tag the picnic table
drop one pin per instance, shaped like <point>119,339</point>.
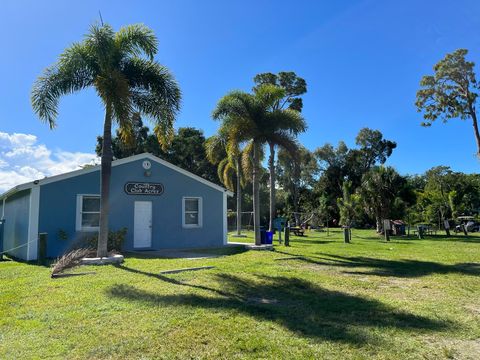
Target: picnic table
<point>427,230</point>
<point>298,231</point>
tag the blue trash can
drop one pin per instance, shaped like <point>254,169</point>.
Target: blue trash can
<point>269,237</point>
<point>263,236</point>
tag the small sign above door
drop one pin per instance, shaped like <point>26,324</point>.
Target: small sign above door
<point>143,188</point>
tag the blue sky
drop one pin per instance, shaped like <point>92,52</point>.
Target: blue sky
<point>362,61</point>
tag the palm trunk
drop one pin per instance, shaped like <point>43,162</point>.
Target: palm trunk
<point>239,199</point>
<point>271,167</point>
<point>256,195</point>
<point>296,204</point>
<point>106,170</point>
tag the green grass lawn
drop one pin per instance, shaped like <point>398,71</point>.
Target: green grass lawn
<point>318,298</point>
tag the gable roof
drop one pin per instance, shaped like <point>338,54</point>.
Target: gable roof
<point>144,156</point>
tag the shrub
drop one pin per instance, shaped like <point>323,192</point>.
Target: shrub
<point>115,240</point>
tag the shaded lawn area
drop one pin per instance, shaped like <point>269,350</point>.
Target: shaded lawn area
<point>318,298</point>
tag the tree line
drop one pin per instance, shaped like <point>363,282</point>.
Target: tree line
<point>332,183</point>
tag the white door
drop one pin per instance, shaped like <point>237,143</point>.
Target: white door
<point>142,232</point>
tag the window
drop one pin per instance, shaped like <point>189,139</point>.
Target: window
<point>192,212</point>
<point>88,212</point>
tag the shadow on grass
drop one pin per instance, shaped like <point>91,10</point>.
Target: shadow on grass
<point>170,280</point>
<point>383,267</point>
<point>67,275</point>
<point>313,240</point>
<point>185,253</point>
<point>298,305</point>
<point>47,264</point>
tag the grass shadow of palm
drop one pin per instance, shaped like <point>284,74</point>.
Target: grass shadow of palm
<point>397,268</point>
<point>298,305</point>
<point>313,240</point>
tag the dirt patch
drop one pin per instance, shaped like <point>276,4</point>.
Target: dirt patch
<point>454,349</point>
<point>473,309</point>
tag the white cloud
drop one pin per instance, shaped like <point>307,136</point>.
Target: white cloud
<point>23,159</point>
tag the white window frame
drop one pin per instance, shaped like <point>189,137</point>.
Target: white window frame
<point>78,226</point>
<point>200,212</point>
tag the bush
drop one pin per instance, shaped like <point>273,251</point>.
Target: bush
<point>115,240</point>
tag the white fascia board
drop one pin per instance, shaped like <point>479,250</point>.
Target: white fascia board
<point>225,220</point>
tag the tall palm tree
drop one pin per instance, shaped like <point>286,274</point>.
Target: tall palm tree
<point>281,136</point>
<point>120,67</point>
<point>250,118</point>
<point>229,166</point>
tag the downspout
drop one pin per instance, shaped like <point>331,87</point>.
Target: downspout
<point>3,208</point>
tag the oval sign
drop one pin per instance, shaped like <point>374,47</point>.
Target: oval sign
<point>143,188</point>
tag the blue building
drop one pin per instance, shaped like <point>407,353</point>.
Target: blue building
<point>161,205</point>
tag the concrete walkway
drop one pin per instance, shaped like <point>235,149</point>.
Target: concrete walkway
<point>175,254</point>
<point>251,246</point>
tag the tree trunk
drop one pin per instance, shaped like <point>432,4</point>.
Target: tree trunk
<point>239,199</point>
<point>297,217</point>
<point>271,167</point>
<point>106,171</point>
<point>256,194</point>
<point>475,130</point>
<point>379,224</point>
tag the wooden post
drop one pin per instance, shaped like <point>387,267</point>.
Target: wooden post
<point>346,235</point>
<point>446,224</point>
<point>42,248</point>
<point>386,229</point>
<point>287,234</point>
<point>420,232</point>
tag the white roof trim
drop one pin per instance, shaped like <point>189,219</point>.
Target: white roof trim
<point>127,160</point>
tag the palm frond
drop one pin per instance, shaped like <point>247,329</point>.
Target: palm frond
<point>156,81</point>
<point>215,149</point>
<point>155,94</point>
<point>74,71</point>
<point>135,40</point>
<point>288,120</point>
<point>247,159</point>
<point>100,42</point>
<point>268,94</point>
<point>286,141</point>
<point>234,105</point>
<point>226,173</point>
<point>228,176</point>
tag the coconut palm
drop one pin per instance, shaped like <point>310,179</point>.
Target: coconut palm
<point>251,118</point>
<point>121,69</point>
<point>229,166</point>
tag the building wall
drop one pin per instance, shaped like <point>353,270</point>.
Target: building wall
<point>58,208</point>
<point>16,224</point>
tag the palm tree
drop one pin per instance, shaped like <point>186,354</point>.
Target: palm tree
<point>120,67</point>
<point>250,118</point>
<point>380,187</point>
<point>229,165</point>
